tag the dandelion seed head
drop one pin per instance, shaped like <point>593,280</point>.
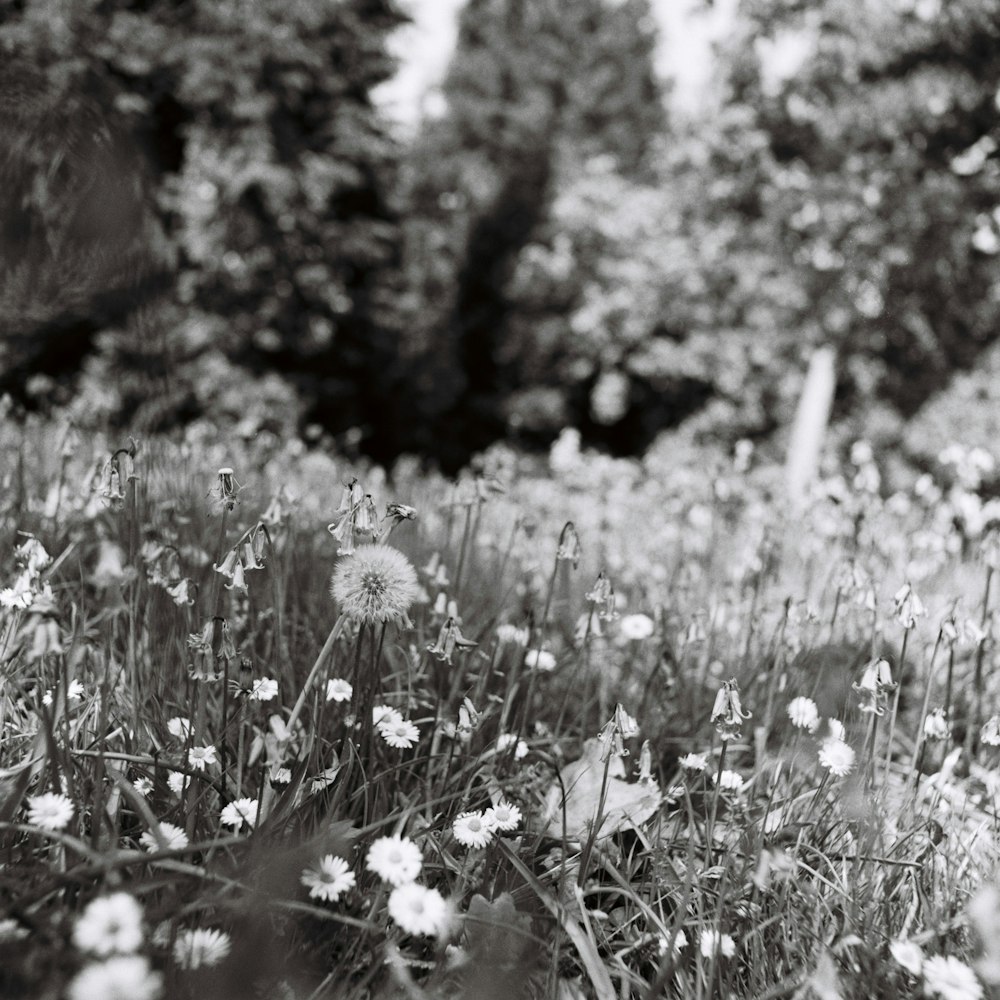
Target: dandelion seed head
<point>376,584</point>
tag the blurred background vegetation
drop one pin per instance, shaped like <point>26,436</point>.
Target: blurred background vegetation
<point>204,213</point>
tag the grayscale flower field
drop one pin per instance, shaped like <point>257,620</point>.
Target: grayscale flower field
<point>276,725</point>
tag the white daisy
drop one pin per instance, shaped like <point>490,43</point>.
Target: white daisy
<point>50,811</point>
<point>503,816</point>
<point>396,860</point>
<point>680,942</point>
<point>418,910</point>
<point>238,812</point>
<point>109,925</point>
<point>385,714</point>
<point>400,735</point>
<point>264,689</point>
<point>693,762</point>
<point>201,757</point>
<point>175,837</point>
<point>540,659</point>
<point>176,781</point>
<point>507,740</point>
<point>636,627</point>
<point>196,949</point>
<point>127,977</point>
<point>950,979</point>
<point>337,689</point>
<point>729,781</point>
<point>330,879</point>
<point>179,728</point>
<point>143,785</point>
<point>804,714</point>
<point>473,829</point>
<point>837,757</point>
<point>712,941</point>
<point>908,955</point>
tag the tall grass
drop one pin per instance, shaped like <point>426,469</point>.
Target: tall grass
<point>577,711</point>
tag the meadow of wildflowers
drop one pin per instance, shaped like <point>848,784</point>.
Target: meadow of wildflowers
<point>273,725</point>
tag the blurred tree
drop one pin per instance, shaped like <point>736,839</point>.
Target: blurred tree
<point>267,168</point>
<point>883,125</point>
<point>535,88</point>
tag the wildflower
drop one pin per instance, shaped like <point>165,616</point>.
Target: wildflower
<point>201,757</point>
<point>143,785</point>
<point>503,816</point>
<point>176,782</point>
<point>238,812</point>
<point>619,728</point>
<point>646,763</point>
<point>280,775</point>
<point>540,659</point>
<point>693,762</point>
<point>50,811</point>
<point>11,930</point>
<point>569,545</point>
<point>908,955</point>
<point>875,682</point>
<point>635,628</point>
<point>990,733</point>
<point>713,941</point>
<point>264,689</point>
<point>727,713</point>
<point>196,949</point>
<point>418,910</point>
<point>377,584</point>
<point>436,572</point>
<point>836,730</point>
<point>110,925</point>
<point>180,593</point>
<point>729,781</point>
<point>324,779</point>
<point>907,607</point>
<point>936,725</point>
<point>385,714</point>
<point>330,879</point>
<point>175,837</point>
<point>507,740</point>
<point>449,639</point>
<point>950,979</point>
<point>473,829</point>
<point>179,728</point>
<point>337,689</point>
<point>357,514</point>
<point>511,635</point>
<point>602,595</point>
<point>396,860</point>
<point>127,977</point>
<point>804,714</point>
<point>225,490</point>
<point>837,757</point>
<point>400,735</point>
<point>680,942</point>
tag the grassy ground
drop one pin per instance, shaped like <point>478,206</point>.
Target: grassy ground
<point>606,729</point>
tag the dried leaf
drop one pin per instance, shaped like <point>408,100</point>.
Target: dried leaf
<point>575,811</point>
